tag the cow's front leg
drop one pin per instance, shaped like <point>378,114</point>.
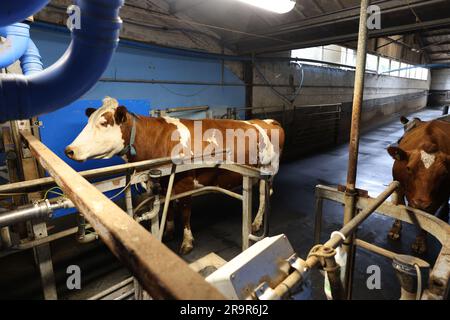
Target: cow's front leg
<point>420,245</point>
<point>396,229</point>
<point>188,239</point>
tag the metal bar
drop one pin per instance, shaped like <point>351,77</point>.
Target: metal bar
<point>110,290</point>
<point>187,109</point>
<point>32,185</point>
<point>246,212</point>
<point>376,249</point>
<point>167,203</point>
<point>37,184</point>
<point>431,224</point>
<point>318,217</point>
<point>349,210</point>
<point>295,277</point>
<point>28,212</point>
<point>162,273</point>
<point>440,275</point>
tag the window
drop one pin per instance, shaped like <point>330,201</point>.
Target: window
<point>413,73</point>
<point>424,73</point>
<point>384,65</point>
<point>395,65</point>
<point>350,58</point>
<point>315,53</point>
<point>404,72</point>
<point>372,62</point>
<point>332,53</point>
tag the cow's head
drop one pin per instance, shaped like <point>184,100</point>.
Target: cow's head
<point>102,137</point>
<point>423,174</point>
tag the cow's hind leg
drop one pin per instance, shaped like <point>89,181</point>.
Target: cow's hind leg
<point>420,245</point>
<point>188,239</point>
<point>170,224</point>
<point>257,222</point>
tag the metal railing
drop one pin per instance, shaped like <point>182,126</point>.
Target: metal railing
<point>440,274</point>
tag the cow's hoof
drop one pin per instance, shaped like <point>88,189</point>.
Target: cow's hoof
<point>256,226</point>
<point>186,248</point>
<point>395,232</point>
<point>420,245</point>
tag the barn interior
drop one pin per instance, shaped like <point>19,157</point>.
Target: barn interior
<point>337,75</point>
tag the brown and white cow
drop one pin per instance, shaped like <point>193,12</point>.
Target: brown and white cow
<point>112,130</point>
<point>422,166</point>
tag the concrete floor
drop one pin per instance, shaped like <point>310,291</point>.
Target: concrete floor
<point>216,223</point>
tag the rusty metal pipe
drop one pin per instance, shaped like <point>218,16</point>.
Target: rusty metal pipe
<point>167,203</point>
<point>349,211</point>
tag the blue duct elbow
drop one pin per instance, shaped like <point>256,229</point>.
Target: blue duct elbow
<point>89,53</point>
<point>17,36</point>
<point>12,11</point>
<point>31,62</point>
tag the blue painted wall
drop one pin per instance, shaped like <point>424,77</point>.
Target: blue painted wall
<point>132,63</point>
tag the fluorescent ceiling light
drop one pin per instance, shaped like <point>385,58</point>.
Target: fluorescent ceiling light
<point>278,6</point>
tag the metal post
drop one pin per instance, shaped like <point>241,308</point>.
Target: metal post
<point>350,197</point>
<point>318,218</point>
<point>166,203</point>
<point>129,207</point>
<point>246,211</point>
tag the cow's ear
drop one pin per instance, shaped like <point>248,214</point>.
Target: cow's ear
<point>120,116</point>
<point>397,153</point>
<point>89,111</point>
<point>404,120</point>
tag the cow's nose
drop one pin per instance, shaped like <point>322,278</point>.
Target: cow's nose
<point>69,152</point>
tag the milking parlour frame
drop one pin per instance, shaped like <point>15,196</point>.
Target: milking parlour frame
<point>161,273</point>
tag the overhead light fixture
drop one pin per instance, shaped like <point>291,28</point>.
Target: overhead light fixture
<point>277,6</point>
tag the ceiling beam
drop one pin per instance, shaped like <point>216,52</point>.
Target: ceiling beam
<point>331,18</point>
<point>439,51</point>
<point>265,47</point>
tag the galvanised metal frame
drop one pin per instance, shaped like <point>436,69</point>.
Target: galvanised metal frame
<point>439,282</point>
<point>89,207</point>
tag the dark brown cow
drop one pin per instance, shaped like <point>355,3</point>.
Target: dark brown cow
<point>112,130</point>
<point>422,166</point>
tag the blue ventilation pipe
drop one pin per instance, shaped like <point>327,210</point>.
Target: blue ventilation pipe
<point>17,36</point>
<point>31,62</point>
<point>12,11</point>
<point>89,53</point>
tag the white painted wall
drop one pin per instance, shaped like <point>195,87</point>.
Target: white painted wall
<point>440,79</point>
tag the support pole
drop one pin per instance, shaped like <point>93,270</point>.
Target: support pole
<point>167,203</point>
<point>246,212</point>
<point>350,197</point>
<point>248,80</point>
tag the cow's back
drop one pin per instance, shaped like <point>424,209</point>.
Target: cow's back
<point>435,131</point>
